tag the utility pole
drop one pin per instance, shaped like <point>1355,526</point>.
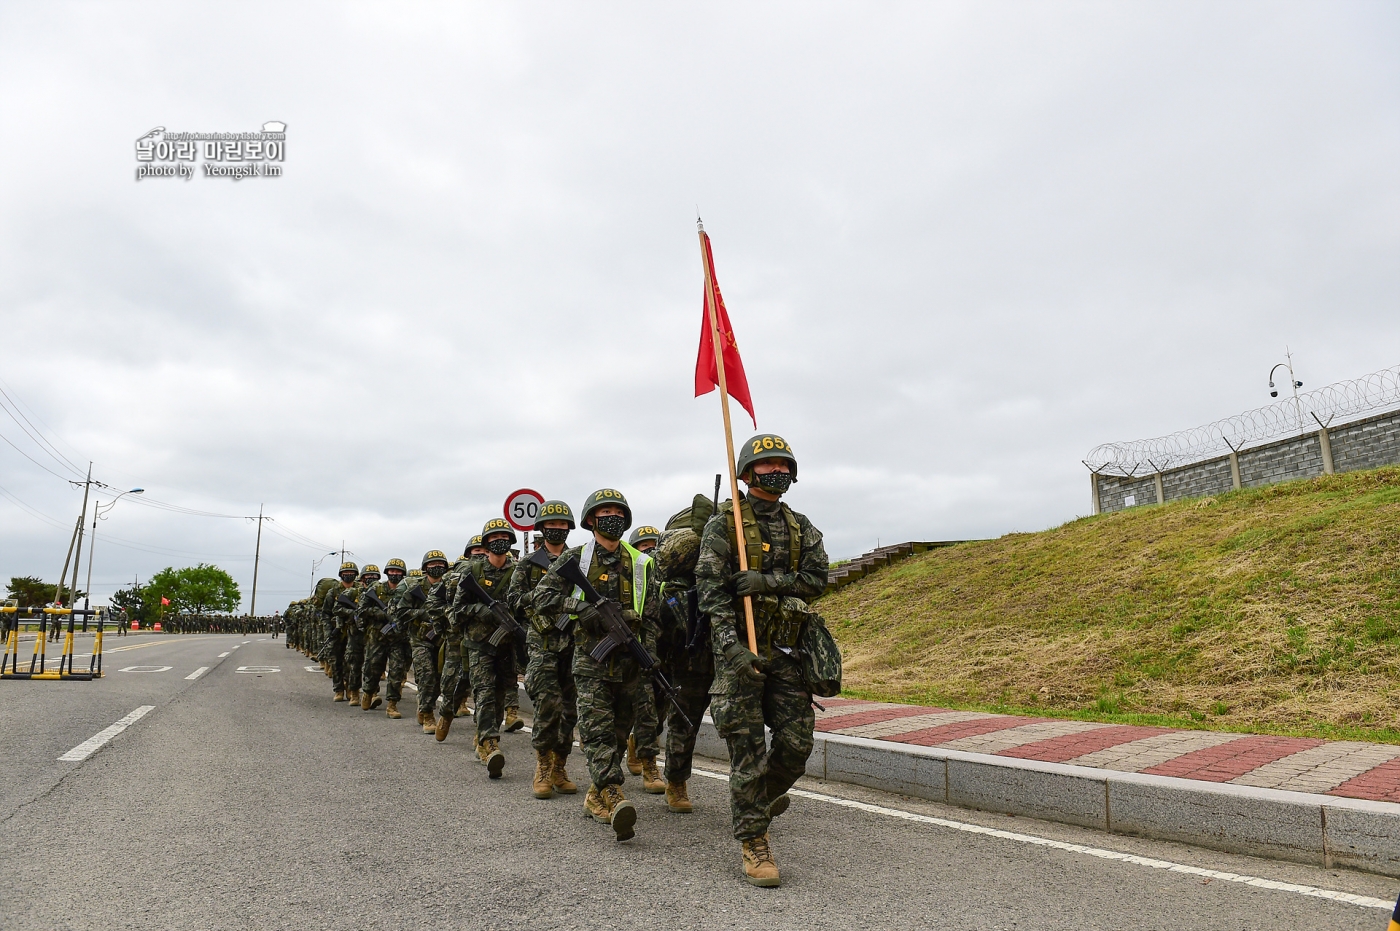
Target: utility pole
<point>257,554</point>
<point>67,560</point>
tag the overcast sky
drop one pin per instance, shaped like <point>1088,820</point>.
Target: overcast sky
<point>961,244</point>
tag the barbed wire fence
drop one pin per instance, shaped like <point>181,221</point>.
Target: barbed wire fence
<point>1371,394</point>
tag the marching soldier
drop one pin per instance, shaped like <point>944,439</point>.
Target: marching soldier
<point>643,744</point>
<point>355,637</point>
<point>786,565</point>
<point>606,688</point>
<point>492,665</point>
<point>409,610</point>
<point>338,609</point>
<point>549,676</point>
<point>386,643</point>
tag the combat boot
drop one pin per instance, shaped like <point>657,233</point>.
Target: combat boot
<point>422,719</point>
<point>622,814</point>
<point>391,708</point>
<point>678,799</point>
<point>339,696</point>
<point>464,709</point>
<point>364,701</point>
<point>375,701</point>
<point>759,868</point>
<point>634,765</point>
<point>430,723</point>
<point>559,776</point>
<point>489,752</point>
<point>593,805</point>
<point>354,696</point>
<point>652,782</point>
<point>512,723</point>
<point>543,786</point>
<point>444,724</point>
<point>779,805</point>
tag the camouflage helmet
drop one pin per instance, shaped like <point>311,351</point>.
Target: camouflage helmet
<point>601,497</point>
<point>434,556</point>
<point>396,564</point>
<point>765,446</point>
<point>348,567</point>
<point>415,573</point>
<point>370,569</point>
<point>495,525</point>
<point>555,509</point>
<point>644,532</point>
<point>473,543</point>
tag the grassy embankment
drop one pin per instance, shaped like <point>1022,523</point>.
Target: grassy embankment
<point>1270,610</point>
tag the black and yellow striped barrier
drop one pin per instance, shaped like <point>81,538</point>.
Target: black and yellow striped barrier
<point>9,664</point>
<point>1395,917</point>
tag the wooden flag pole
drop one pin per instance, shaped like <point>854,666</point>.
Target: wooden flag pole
<point>710,304</point>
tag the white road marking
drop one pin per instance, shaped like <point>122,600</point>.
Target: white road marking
<point>249,641</point>
<point>145,669</point>
<point>1256,881</point>
<point>312,668</point>
<point>257,669</point>
<point>410,685</point>
<point>86,749</point>
<point>198,672</point>
<point>235,646</point>
<point>222,655</point>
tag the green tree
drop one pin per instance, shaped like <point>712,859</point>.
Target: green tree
<point>132,601</point>
<point>200,589</point>
<point>32,592</point>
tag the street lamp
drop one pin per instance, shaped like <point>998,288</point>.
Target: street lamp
<point>1294,383</point>
<point>316,564</point>
<point>98,511</point>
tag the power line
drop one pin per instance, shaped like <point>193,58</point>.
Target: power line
<point>33,460</point>
<point>37,435</point>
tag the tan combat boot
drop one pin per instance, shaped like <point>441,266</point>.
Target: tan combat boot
<point>392,709</point>
<point>489,752</point>
<point>464,710</point>
<point>422,719</point>
<point>512,723</point>
<point>779,805</point>
<point>444,724</point>
<point>634,765</point>
<point>759,868</point>
<point>559,776</point>
<point>652,782</point>
<point>622,814</point>
<point>430,723</point>
<point>364,701</point>
<point>544,763</point>
<point>593,805</point>
<point>354,696</point>
<point>375,701</point>
<point>339,696</point>
<point>678,799</point>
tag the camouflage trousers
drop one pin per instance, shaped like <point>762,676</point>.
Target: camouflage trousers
<point>605,717</point>
<point>693,696</point>
<point>493,681</point>
<point>647,729</point>
<point>389,653</point>
<point>333,652</point>
<point>427,671</point>
<point>758,772</point>
<point>549,681</point>
<point>354,656</point>
<point>456,676</point>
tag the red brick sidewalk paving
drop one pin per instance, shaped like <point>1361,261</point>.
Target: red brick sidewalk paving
<point>1334,767</point>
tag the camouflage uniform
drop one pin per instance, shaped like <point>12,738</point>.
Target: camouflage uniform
<point>455,683</point>
<point>383,651</point>
<point>606,690</point>
<point>758,773</point>
<point>549,676</point>
<point>409,611</point>
<point>339,619</point>
<point>492,668</point>
<point>691,671</point>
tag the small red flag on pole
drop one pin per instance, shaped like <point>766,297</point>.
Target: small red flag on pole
<point>164,601</point>
<point>719,366</point>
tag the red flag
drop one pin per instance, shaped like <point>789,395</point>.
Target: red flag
<point>164,601</point>
<point>706,373</point>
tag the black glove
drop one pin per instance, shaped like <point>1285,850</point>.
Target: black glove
<point>744,663</point>
<point>587,614</point>
<point>753,582</point>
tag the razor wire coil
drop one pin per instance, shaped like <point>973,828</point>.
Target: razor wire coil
<point>1370,394</point>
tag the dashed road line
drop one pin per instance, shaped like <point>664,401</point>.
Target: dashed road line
<point>88,747</point>
<point>145,669</point>
<point>1332,895</point>
<point>198,672</point>
<point>222,655</point>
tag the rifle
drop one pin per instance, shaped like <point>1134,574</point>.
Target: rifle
<point>697,624</point>
<point>507,626</point>
<point>619,633</point>
<point>541,558</point>
<point>374,599</point>
<point>417,598</point>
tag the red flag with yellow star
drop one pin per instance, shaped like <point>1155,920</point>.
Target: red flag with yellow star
<point>707,376</point>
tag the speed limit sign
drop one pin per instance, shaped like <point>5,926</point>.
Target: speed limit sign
<point>522,507</point>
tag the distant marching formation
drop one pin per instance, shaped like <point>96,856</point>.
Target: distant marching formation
<point>609,632</point>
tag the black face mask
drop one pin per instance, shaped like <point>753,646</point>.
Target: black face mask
<point>395,577</point>
<point>348,579</point>
<point>611,527</point>
<point>775,483</point>
<point>556,535</point>
<point>435,572</point>
<point>500,546</point>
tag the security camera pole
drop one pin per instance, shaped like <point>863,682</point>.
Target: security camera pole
<point>1293,382</point>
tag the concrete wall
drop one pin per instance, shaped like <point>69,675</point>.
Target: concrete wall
<point>1362,444</point>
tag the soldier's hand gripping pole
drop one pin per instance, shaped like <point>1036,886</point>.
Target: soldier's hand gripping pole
<point>618,633</point>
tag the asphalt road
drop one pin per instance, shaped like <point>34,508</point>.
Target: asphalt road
<point>246,799</point>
